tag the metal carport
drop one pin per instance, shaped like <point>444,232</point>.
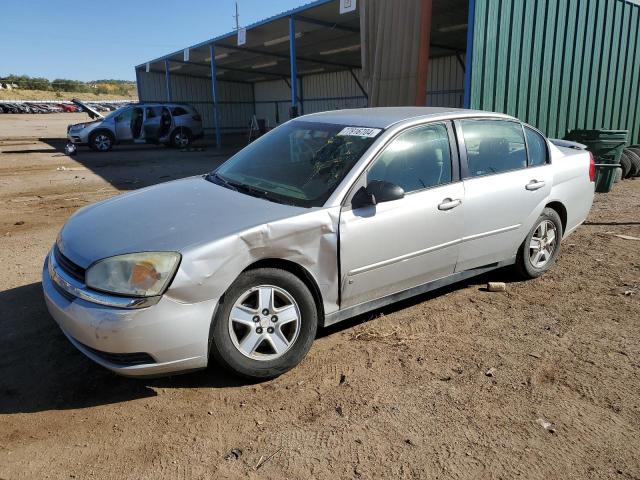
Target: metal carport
<point>309,58</point>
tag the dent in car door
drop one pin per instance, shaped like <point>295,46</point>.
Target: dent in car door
<point>396,245</point>
<point>503,197</point>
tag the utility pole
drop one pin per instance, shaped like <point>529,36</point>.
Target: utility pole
<point>237,17</point>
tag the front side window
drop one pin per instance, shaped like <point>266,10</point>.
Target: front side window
<point>178,111</point>
<point>417,159</point>
<point>537,148</point>
<point>493,146</point>
<point>124,116</point>
<point>299,163</point>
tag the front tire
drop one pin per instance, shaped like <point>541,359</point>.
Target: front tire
<point>101,141</point>
<point>539,251</point>
<point>265,325</point>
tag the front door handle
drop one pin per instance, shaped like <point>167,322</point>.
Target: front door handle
<point>448,204</point>
<point>534,185</point>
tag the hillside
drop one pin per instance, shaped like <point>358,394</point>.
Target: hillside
<point>20,94</point>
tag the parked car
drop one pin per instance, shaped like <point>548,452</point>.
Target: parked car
<point>68,108</point>
<point>173,124</point>
<point>325,217</point>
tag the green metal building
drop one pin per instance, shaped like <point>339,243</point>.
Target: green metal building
<point>556,64</point>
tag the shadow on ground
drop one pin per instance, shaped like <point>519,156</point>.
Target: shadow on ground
<point>505,274</point>
<point>128,167</point>
<point>40,370</point>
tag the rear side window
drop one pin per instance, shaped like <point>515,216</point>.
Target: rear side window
<point>179,111</point>
<point>417,159</point>
<point>493,146</point>
<point>537,148</point>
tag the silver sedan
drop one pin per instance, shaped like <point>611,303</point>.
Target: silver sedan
<point>323,218</point>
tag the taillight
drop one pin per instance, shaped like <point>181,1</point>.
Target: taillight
<point>592,168</point>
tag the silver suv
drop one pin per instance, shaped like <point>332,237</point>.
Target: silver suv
<point>174,124</point>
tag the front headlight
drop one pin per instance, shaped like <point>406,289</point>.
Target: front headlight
<point>135,274</point>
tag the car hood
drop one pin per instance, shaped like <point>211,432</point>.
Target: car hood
<point>92,112</point>
<point>84,124</point>
<point>168,217</point>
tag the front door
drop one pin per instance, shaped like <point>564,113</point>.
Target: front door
<point>152,124</point>
<point>504,191</point>
<point>123,125</point>
<point>397,245</point>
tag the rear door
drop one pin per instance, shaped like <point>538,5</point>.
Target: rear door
<point>505,190</point>
<point>397,245</point>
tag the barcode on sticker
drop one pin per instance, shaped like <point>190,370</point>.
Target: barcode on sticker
<point>359,132</point>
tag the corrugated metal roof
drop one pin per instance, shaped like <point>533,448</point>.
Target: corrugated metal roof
<point>285,14</point>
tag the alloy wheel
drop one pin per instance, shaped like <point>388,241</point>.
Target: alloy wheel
<point>102,142</point>
<point>182,140</point>
<point>264,322</point>
<point>543,244</point>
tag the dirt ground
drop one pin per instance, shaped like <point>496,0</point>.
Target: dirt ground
<point>455,384</point>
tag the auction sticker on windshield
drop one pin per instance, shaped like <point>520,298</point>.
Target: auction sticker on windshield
<point>359,132</point>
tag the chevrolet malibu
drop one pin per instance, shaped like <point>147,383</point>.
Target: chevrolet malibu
<point>325,217</point>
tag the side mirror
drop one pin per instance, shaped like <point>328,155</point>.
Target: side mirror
<point>377,191</point>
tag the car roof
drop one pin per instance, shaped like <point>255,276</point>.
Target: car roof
<point>384,117</point>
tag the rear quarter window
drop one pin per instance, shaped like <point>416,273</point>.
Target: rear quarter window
<point>538,154</point>
<point>178,111</point>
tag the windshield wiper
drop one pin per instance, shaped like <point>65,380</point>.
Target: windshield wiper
<point>215,178</point>
<point>240,187</point>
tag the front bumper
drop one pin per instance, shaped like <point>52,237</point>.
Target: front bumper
<point>168,337</point>
<point>77,138</point>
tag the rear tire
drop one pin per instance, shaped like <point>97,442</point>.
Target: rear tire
<point>265,324</point>
<point>181,138</point>
<point>539,251</point>
<point>101,141</point>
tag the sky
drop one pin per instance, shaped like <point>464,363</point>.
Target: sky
<point>92,40</point>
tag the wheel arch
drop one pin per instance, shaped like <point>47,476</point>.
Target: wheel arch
<point>561,210</point>
<point>102,130</point>
<point>288,266</point>
<point>178,128</point>
<point>300,272</point>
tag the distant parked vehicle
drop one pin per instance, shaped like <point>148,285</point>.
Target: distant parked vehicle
<point>174,124</point>
<point>68,108</point>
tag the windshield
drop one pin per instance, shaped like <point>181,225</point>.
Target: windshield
<point>299,163</point>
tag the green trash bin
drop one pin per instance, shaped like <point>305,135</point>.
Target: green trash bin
<point>605,176</point>
<point>607,147</point>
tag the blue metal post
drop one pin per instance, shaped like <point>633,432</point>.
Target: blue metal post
<point>167,80</point>
<point>214,94</point>
<point>292,60</point>
<point>469,60</point>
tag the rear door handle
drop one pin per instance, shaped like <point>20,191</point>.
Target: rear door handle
<point>534,185</point>
<point>448,204</point>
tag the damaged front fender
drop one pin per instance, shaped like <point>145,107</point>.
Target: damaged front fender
<point>309,240</point>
